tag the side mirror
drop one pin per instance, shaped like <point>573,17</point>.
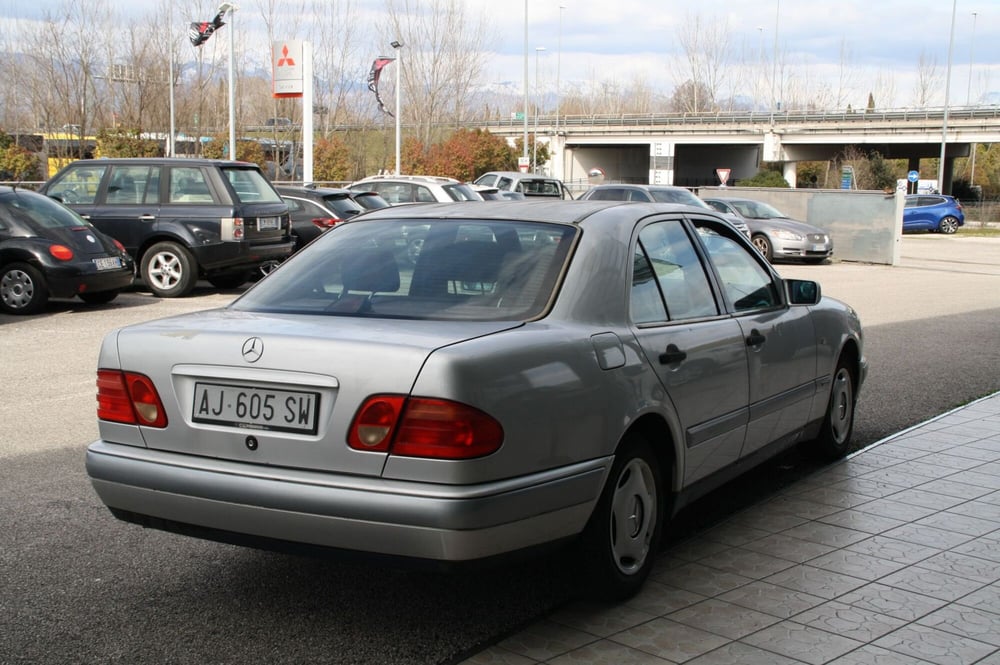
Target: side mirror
<point>802,291</point>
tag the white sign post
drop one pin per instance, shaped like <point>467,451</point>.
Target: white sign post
<point>291,67</point>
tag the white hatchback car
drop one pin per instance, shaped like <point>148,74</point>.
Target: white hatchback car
<point>417,189</point>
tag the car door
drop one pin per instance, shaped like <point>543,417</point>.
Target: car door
<point>129,205</point>
<point>780,340</point>
<point>697,352</point>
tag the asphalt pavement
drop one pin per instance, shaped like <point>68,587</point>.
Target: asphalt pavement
<point>78,586</point>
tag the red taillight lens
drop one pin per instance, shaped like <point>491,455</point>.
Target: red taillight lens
<point>61,252</point>
<point>121,247</point>
<point>125,397</point>
<point>423,427</point>
<point>326,222</point>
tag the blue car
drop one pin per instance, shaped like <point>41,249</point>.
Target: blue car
<point>937,213</point>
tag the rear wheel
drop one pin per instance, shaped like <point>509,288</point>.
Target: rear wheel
<point>168,269</point>
<point>948,225</point>
<point>838,424</point>
<point>763,244</point>
<point>621,538</point>
<point>99,297</point>
<point>22,289</point>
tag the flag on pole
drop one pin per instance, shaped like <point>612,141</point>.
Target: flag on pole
<point>199,32</point>
<point>373,77</point>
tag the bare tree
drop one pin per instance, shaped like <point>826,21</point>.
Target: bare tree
<point>705,56</point>
<point>928,80</point>
<point>444,54</point>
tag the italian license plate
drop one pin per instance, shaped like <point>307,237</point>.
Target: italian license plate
<point>108,263</point>
<point>255,408</point>
<point>818,248</point>
<point>268,223</point>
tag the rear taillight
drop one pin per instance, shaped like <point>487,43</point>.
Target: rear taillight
<point>232,228</point>
<point>424,427</point>
<point>121,247</point>
<point>61,252</point>
<point>326,222</point>
<point>126,397</point>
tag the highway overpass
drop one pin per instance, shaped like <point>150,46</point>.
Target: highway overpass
<point>686,149</point>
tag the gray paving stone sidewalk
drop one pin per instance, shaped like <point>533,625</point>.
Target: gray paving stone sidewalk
<point>890,556</point>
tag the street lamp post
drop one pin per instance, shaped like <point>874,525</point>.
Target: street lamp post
<point>947,91</point>
<point>559,67</point>
<point>524,154</point>
<point>538,96</point>
<point>232,87</point>
<point>398,46</point>
<point>968,102</point>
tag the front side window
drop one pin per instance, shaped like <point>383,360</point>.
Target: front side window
<point>78,184</point>
<point>422,269</point>
<point>747,284</point>
<point>680,275</point>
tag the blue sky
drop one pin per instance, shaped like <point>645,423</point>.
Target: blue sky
<point>863,42</point>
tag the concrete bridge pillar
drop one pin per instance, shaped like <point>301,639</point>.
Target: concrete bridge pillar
<point>791,172</point>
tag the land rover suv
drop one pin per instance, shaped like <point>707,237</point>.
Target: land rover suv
<point>181,219</point>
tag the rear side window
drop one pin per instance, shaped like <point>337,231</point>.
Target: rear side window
<point>422,269</point>
<point>189,185</point>
<point>134,185</point>
<point>251,186</point>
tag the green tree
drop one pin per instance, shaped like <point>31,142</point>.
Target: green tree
<point>126,143</point>
<point>17,163</point>
<point>765,178</point>
<point>469,153</point>
<point>331,160</point>
<point>246,150</point>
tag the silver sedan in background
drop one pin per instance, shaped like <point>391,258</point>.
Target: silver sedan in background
<point>775,234</point>
<point>543,372</point>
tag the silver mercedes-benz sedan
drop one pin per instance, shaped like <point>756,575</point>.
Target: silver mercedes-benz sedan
<point>461,382</point>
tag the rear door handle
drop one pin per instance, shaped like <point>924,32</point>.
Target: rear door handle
<point>755,338</point>
<point>147,218</point>
<point>672,355</point>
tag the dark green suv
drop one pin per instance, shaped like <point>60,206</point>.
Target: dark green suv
<point>181,219</point>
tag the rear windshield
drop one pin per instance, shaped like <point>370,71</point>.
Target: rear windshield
<point>39,212</point>
<point>462,192</point>
<point>251,186</point>
<point>678,195</point>
<point>421,269</point>
<point>539,187</point>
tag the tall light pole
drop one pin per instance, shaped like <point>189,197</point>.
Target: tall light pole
<point>171,140</point>
<point>524,155</point>
<point>538,110</point>
<point>559,66</point>
<point>774,65</point>
<point>968,102</point>
<point>947,93</point>
<point>398,46</point>
<point>231,8</point>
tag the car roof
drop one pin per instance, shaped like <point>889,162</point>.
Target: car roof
<point>166,160</point>
<point>529,210</point>
<point>518,174</point>
<point>438,179</point>
<point>307,189</point>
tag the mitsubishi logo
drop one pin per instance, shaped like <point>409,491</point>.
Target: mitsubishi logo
<point>253,349</point>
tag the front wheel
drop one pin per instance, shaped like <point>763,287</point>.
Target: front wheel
<point>948,225</point>
<point>621,538</point>
<point>838,424</point>
<point>763,244</point>
<point>22,289</point>
<point>168,269</point>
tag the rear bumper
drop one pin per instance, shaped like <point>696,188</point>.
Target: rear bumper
<point>68,283</point>
<point>226,256</point>
<point>436,522</point>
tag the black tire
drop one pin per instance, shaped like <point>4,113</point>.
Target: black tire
<point>838,424</point>
<point>948,225</point>
<point>623,535</point>
<point>229,280</point>
<point>99,297</point>
<point>763,245</point>
<point>168,270</point>
<point>22,289</point>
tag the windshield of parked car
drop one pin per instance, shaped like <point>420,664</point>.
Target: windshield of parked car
<point>679,195</point>
<point>251,186</point>
<point>462,192</point>
<point>438,269</point>
<point>39,212</point>
<point>757,210</point>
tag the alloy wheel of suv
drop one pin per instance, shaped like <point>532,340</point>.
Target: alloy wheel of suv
<point>168,270</point>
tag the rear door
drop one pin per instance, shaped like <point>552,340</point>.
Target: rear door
<point>130,204</point>
<point>697,351</point>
